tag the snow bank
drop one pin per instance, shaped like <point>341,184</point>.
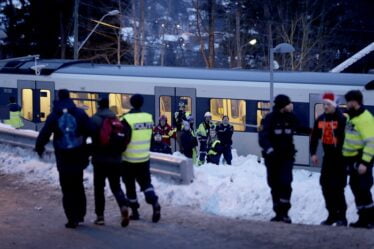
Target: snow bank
<point>238,191</point>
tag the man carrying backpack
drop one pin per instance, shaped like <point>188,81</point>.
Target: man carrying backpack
<point>70,127</point>
<point>108,134</point>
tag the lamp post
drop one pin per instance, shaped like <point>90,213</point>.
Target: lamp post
<point>110,13</point>
<point>282,48</point>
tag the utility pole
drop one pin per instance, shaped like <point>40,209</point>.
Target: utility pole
<point>76,12</point>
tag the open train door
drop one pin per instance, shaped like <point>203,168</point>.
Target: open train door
<point>315,110</point>
<point>167,99</point>
<point>35,98</point>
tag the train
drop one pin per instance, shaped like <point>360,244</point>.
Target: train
<point>242,95</point>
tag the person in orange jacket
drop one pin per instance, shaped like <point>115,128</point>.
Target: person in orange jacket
<point>165,130</point>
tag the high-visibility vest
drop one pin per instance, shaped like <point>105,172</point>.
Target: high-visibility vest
<point>359,137</point>
<point>137,150</point>
<point>14,119</point>
<point>212,151</point>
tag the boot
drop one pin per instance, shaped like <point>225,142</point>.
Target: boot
<point>134,214</point>
<point>331,219</point>
<point>99,220</point>
<point>276,218</point>
<point>341,221</point>
<point>125,216</point>
<point>364,220</point>
<point>71,224</point>
<point>156,212</point>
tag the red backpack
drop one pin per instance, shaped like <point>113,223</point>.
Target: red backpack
<point>112,134</point>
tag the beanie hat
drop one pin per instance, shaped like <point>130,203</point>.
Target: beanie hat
<point>330,98</point>
<point>136,101</point>
<point>63,94</point>
<point>354,95</point>
<point>281,101</point>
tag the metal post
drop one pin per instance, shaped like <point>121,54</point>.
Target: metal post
<point>271,65</point>
<point>76,7</point>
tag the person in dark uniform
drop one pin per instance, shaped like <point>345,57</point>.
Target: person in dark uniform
<point>276,140</point>
<point>224,132</point>
<point>189,140</point>
<point>135,159</point>
<point>70,127</point>
<point>158,144</point>
<point>358,152</point>
<point>179,117</point>
<point>15,110</point>
<point>203,136</point>
<point>329,127</point>
<point>106,163</point>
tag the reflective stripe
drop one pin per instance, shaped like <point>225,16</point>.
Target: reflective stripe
<point>139,142</point>
<point>352,132</point>
<point>136,150</point>
<point>369,145</point>
<point>137,159</point>
<point>284,200</point>
<point>133,200</point>
<point>351,141</point>
<point>349,149</point>
<point>365,206</point>
<point>368,154</point>
<point>371,139</point>
<point>150,189</point>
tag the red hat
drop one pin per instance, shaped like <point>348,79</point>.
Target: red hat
<point>329,97</point>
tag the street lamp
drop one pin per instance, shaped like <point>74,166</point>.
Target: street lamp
<point>110,13</point>
<point>282,48</point>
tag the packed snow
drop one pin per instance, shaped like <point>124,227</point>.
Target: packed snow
<point>238,191</point>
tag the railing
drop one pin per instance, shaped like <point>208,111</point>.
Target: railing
<point>178,169</point>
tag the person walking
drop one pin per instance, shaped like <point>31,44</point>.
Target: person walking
<point>70,127</point>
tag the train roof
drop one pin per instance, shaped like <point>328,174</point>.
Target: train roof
<point>86,68</point>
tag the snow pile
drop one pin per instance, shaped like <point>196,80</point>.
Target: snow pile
<point>238,191</point>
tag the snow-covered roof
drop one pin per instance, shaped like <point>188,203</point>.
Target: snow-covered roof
<point>357,56</point>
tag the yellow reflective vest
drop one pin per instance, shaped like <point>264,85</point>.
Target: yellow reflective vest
<point>359,137</point>
<point>14,119</point>
<point>137,150</point>
<point>212,151</point>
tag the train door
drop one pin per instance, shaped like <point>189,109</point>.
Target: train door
<point>35,98</point>
<point>167,99</point>
<point>315,110</point>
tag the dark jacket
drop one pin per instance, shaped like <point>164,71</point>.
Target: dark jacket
<point>276,134</point>
<point>330,129</point>
<point>224,134</point>
<point>102,155</point>
<point>14,107</point>
<point>66,159</point>
<point>179,117</point>
<point>188,142</point>
<point>160,147</point>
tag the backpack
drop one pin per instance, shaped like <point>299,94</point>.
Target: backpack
<point>112,134</point>
<point>69,129</point>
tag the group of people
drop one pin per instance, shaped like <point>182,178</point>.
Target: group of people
<point>120,149</point>
<point>212,139</point>
<point>348,144</point>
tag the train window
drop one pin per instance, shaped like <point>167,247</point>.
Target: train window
<point>165,107</point>
<point>45,104</point>
<point>119,103</point>
<point>234,109</point>
<point>263,108</point>
<point>188,103</point>
<point>27,104</point>
<point>86,101</point>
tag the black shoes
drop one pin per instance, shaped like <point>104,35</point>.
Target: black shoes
<point>71,224</point>
<point>134,214</point>
<point>125,216</point>
<point>360,223</point>
<point>156,212</point>
<point>99,221</point>
<point>281,218</point>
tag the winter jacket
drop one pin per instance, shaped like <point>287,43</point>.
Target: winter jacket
<point>179,117</point>
<point>166,132</point>
<point>102,155</point>
<point>66,159</point>
<point>224,134</point>
<point>15,119</point>
<point>189,143</point>
<point>160,147</point>
<point>215,150</point>
<point>330,129</point>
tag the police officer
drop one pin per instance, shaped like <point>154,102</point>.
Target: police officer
<point>136,157</point>
<point>15,119</point>
<point>329,127</point>
<point>358,152</point>
<point>276,140</point>
<point>203,136</point>
<point>224,133</point>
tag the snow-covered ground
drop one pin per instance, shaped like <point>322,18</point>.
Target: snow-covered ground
<point>238,191</point>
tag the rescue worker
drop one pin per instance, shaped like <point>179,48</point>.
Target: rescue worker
<point>224,133</point>
<point>358,152</point>
<point>215,148</point>
<point>165,130</point>
<point>179,117</point>
<point>15,119</point>
<point>329,127</point>
<point>135,159</point>
<point>107,164</point>
<point>276,140</point>
<point>70,151</point>
<point>188,140</point>
<point>158,145</point>
<point>203,136</point>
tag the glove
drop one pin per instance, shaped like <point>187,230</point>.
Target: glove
<point>40,151</point>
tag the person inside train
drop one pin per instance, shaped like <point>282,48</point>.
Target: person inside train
<point>15,113</point>
<point>165,130</point>
<point>224,133</point>
<point>179,117</point>
<point>329,128</point>
<point>203,136</point>
<point>189,140</point>
<point>215,148</point>
<point>158,144</point>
